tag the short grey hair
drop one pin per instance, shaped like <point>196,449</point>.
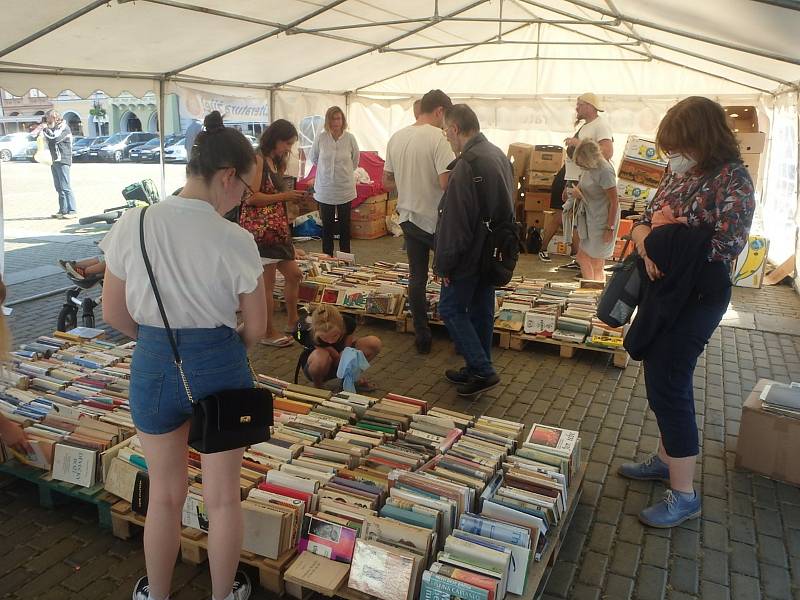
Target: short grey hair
<point>588,155</point>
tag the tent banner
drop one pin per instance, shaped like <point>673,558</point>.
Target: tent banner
<point>196,104</point>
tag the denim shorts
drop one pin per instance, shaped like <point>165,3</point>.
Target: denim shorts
<point>213,360</point>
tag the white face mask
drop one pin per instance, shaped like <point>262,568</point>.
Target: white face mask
<point>680,163</point>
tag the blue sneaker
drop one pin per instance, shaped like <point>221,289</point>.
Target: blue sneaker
<point>674,509</point>
<point>651,469</point>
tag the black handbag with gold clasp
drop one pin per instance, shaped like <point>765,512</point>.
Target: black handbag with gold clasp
<point>226,419</point>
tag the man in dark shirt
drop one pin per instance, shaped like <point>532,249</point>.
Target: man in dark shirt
<point>480,189</point>
<point>58,135</point>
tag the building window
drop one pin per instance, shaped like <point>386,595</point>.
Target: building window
<point>34,93</point>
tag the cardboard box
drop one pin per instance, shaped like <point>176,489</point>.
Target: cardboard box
<point>630,190</point>
<point>534,218</point>
<point>391,206</point>
<point>769,444</point>
<point>644,150</point>
<point>547,158</point>
<point>645,174</point>
<point>751,143</point>
<point>368,230</point>
<point>753,164</point>
<point>749,268</point>
<point>742,119</point>
<point>540,179</point>
<point>520,156</point>
<point>372,208</point>
<point>537,201</point>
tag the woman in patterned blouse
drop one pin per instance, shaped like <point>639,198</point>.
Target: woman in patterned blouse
<point>708,187</point>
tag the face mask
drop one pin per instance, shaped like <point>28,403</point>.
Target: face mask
<point>680,163</point>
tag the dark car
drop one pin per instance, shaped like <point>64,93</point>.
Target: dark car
<point>151,151</point>
<point>119,145</point>
<point>94,148</point>
<point>80,148</point>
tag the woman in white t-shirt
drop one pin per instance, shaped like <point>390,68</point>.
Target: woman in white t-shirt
<point>206,268</point>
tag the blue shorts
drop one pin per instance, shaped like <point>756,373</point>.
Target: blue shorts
<point>213,360</point>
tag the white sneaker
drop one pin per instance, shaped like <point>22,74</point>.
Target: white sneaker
<point>544,256</point>
<point>142,590</point>
<point>242,588</point>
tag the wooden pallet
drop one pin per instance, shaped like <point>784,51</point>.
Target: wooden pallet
<point>518,341</point>
<point>194,548</point>
<point>53,493</point>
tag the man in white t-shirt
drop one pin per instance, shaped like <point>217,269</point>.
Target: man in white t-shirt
<point>595,127</point>
<point>417,158</point>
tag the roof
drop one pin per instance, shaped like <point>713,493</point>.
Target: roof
<point>384,47</point>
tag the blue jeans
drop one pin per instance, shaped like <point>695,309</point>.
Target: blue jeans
<point>66,199</point>
<point>213,360</point>
<point>669,372</point>
<point>467,309</point>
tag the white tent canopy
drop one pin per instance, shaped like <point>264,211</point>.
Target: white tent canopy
<point>374,57</point>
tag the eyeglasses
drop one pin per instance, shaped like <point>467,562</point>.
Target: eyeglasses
<point>248,191</point>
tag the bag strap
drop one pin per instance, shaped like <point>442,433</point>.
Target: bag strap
<point>149,267</point>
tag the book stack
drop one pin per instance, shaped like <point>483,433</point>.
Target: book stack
<point>605,336</point>
<point>782,399</point>
<point>511,316</point>
<point>542,318</point>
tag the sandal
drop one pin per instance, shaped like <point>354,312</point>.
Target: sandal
<point>277,342</point>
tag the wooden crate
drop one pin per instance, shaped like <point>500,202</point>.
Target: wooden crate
<point>194,548</point>
<point>53,493</point>
<point>518,341</point>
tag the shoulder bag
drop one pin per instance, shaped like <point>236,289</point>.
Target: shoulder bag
<point>226,419</point>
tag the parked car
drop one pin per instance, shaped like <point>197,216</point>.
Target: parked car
<point>175,153</point>
<point>80,148</point>
<point>120,144</point>
<point>151,151</point>
<point>14,146</point>
<point>94,149</point>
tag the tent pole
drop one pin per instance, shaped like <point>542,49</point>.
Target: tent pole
<point>405,35</point>
<point>505,42</point>
<point>652,42</point>
<point>686,34</point>
<point>53,26</point>
<point>260,38</point>
<point>272,105</point>
<point>161,120</point>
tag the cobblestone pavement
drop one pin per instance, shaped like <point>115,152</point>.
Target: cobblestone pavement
<point>746,545</point>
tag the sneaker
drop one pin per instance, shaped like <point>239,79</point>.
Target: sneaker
<point>544,256</point>
<point>423,344</point>
<point>651,469</point>
<point>242,588</point>
<point>571,265</point>
<point>58,216</point>
<point>142,590</point>
<point>477,385</point>
<point>459,376</point>
<point>674,509</point>
<point>70,215</point>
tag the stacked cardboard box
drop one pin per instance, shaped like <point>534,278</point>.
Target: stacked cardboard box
<point>368,220</point>
<point>640,172</point>
<point>743,120</point>
<point>544,164</point>
<point>520,156</point>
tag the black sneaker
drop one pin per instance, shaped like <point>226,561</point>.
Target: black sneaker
<point>571,265</point>
<point>544,256</point>
<point>242,588</point>
<point>142,590</point>
<point>478,385</point>
<point>423,344</point>
<point>458,376</point>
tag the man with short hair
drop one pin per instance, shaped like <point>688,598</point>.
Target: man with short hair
<point>417,157</point>
<point>481,189</point>
<point>595,127</point>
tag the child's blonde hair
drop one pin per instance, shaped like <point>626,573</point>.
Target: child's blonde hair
<point>326,318</point>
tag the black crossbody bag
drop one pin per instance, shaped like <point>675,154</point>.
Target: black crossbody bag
<point>226,419</point>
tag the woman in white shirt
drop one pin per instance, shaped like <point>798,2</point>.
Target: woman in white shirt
<point>206,268</point>
<point>336,154</point>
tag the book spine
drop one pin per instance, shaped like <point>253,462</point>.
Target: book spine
<point>456,588</point>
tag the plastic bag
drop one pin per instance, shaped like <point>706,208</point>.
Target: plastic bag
<point>308,225</point>
<point>393,225</point>
<point>42,155</point>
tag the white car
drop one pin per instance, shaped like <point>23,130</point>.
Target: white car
<point>175,153</point>
<point>17,146</point>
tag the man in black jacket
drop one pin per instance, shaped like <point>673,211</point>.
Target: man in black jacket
<point>481,188</point>
<point>59,140</point>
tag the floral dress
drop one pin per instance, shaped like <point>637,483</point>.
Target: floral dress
<point>269,224</point>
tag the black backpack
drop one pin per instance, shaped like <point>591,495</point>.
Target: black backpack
<point>501,247</point>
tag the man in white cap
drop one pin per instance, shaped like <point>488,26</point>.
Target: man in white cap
<point>595,127</point>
